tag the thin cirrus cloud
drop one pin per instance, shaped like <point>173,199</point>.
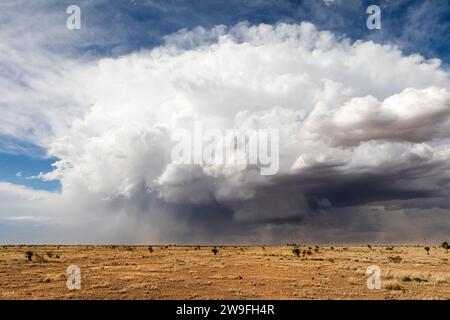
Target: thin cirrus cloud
<point>364,135</point>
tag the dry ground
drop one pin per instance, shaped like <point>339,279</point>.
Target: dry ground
<point>180,272</point>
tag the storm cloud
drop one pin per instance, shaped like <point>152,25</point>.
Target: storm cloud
<point>364,139</point>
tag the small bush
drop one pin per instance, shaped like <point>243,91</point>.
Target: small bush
<point>296,251</point>
<point>150,249</point>
<point>396,259</point>
<point>393,286</point>
<point>29,255</point>
<point>214,250</point>
<point>406,279</point>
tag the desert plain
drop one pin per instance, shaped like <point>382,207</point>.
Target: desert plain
<point>226,272</point>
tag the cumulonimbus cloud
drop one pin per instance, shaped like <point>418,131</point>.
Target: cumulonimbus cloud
<point>361,126</point>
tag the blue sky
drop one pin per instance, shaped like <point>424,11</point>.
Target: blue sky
<point>18,168</point>
<point>417,26</point>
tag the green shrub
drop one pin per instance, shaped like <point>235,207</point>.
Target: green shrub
<point>29,255</point>
<point>296,251</point>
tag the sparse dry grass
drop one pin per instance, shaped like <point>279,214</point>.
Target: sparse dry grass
<point>180,272</point>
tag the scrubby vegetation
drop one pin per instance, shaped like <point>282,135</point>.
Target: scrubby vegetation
<point>393,286</point>
<point>29,255</point>
<point>296,251</point>
<point>396,259</point>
